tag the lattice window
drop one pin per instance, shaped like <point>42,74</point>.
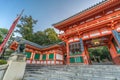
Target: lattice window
<point>75,48</point>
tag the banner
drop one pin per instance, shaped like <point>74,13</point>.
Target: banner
<point>116,36</point>
<point>81,45</point>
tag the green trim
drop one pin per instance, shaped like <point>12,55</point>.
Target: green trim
<point>28,55</point>
<point>72,60</point>
<point>79,59</point>
<point>51,56</point>
<point>44,57</point>
<point>37,56</point>
<point>76,59</point>
<point>118,51</point>
<point>76,53</point>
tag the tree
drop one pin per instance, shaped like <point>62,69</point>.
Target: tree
<point>46,37</point>
<point>25,28</point>
<point>40,38</point>
<point>106,53</point>
<point>52,35</point>
<point>2,36</point>
<point>4,32</point>
<point>95,54</point>
<point>101,52</point>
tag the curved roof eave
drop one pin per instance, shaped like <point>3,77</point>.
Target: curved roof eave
<point>23,41</point>
<point>79,13</point>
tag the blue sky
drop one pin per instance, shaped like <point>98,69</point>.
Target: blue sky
<point>47,12</point>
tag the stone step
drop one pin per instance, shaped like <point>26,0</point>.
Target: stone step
<point>76,73</point>
<point>72,72</point>
<point>48,77</point>
<point>93,78</point>
<point>70,78</point>
<point>99,69</point>
<point>80,75</point>
<point>78,67</point>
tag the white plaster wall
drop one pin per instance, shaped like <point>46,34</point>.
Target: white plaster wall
<point>44,62</point>
<point>28,61</point>
<point>41,62</point>
<point>52,62</point>
<point>48,62</point>
<point>59,57</point>
<point>33,62</point>
<point>61,62</point>
<point>57,62</point>
<point>38,62</point>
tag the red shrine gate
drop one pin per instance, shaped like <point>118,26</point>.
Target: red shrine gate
<point>98,25</point>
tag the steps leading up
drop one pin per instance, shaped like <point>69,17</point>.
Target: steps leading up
<point>72,72</point>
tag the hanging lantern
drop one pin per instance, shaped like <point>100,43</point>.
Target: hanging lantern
<point>95,41</point>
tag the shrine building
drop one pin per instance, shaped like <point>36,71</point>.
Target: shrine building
<point>96,26</point>
<point>36,54</point>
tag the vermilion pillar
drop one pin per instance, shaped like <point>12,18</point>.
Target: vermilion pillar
<point>40,58</point>
<point>87,56</point>
<point>68,53</point>
<point>55,57</point>
<point>32,56</point>
<point>47,57</point>
<point>114,54</point>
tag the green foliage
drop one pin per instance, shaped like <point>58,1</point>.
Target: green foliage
<point>102,52</point>
<point>105,53</point>
<point>2,36</point>
<point>25,28</point>
<point>46,37</point>
<point>4,32</point>
<point>3,62</point>
<point>52,35</point>
<point>40,38</point>
<point>8,52</point>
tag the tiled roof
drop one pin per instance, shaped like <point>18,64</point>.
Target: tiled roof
<point>23,41</point>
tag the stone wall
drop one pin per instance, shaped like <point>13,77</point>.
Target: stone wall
<point>2,70</point>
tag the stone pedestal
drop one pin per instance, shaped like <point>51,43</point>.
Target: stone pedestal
<point>16,68</point>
